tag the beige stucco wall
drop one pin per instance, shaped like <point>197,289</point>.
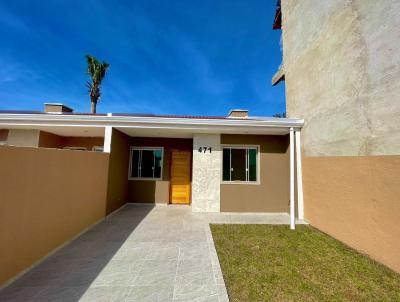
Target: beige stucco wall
<point>3,136</point>
<point>23,138</point>
<point>155,191</point>
<point>356,200</point>
<point>342,71</point>
<point>50,140</point>
<point>117,190</point>
<point>47,196</point>
<point>271,194</point>
<point>149,191</point>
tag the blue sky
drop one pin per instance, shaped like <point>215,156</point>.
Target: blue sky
<point>167,57</point>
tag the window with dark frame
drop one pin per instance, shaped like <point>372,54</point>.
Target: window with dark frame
<point>239,164</point>
<point>146,163</point>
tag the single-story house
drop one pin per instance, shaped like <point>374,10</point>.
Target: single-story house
<point>234,163</point>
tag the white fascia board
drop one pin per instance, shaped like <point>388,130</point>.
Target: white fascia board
<point>147,122</point>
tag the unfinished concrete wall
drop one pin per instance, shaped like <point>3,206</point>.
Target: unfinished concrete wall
<point>47,196</point>
<point>356,200</point>
<point>342,71</point>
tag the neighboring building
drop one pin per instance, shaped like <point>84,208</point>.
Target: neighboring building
<point>342,72</point>
<point>341,69</point>
<point>236,163</point>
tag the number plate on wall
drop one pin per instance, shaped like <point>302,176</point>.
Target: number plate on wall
<point>204,149</point>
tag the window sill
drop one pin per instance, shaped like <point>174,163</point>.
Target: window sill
<point>146,179</point>
<point>240,183</point>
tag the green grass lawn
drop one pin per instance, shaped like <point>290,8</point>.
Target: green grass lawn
<point>273,263</point>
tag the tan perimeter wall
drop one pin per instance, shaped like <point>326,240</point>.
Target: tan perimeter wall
<point>156,191</point>
<point>356,200</point>
<point>47,196</point>
<point>272,194</point>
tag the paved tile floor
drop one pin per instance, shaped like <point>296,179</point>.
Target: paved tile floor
<point>140,253</point>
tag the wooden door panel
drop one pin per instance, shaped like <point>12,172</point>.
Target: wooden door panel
<point>180,177</point>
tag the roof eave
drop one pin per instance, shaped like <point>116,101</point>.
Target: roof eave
<point>256,125</point>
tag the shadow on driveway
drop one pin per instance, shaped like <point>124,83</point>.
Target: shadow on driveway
<point>88,267</point>
<point>140,253</point>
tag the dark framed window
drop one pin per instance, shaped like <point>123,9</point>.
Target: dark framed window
<point>240,164</point>
<point>146,163</point>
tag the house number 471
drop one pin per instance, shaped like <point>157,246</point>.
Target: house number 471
<point>204,149</point>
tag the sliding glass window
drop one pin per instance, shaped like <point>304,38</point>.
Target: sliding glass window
<point>145,163</point>
<point>239,164</point>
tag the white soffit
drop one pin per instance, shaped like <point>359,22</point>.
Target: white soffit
<point>183,133</point>
<point>155,133</point>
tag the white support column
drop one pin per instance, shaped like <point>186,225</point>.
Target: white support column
<point>299,174</point>
<point>107,138</point>
<point>292,214</point>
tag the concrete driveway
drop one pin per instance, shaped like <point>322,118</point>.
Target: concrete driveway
<point>139,253</point>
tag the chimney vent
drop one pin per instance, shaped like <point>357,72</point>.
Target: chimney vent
<point>238,113</point>
<point>57,108</point>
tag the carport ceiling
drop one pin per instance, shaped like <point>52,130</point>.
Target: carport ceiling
<point>188,133</point>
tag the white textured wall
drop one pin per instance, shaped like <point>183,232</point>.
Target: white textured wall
<point>206,173</point>
<point>23,138</point>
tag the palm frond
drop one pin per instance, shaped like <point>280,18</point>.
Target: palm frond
<point>96,71</point>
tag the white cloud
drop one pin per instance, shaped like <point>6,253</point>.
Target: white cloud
<point>12,71</point>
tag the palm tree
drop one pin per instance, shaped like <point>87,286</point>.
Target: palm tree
<point>97,72</point>
<point>281,115</point>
